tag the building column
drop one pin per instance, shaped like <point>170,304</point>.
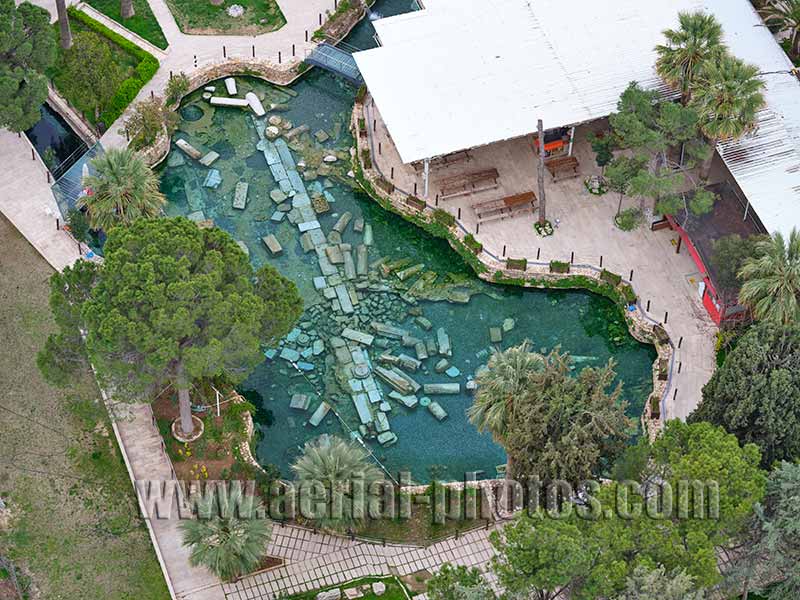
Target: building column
<point>426,175</point>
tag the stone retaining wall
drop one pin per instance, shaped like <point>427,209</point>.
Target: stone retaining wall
<point>535,275</point>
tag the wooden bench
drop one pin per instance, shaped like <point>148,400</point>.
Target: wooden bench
<point>563,165</point>
<point>468,183</point>
<point>509,206</point>
<point>445,161</point>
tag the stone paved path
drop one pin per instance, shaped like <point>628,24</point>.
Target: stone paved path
<point>315,561</point>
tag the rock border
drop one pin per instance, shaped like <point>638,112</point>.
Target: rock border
<point>488,268</point>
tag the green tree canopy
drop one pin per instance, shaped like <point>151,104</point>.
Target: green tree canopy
<point>728,257</point>
<point>122,190</point>
<point>592,547</point>
<point>566,427</point>
<point>785,15</point>
<point>336,464</point>
<point>458,583</point>
<point>754,393</point>
<point>27,50</point>
<point>64,353</point>
<point>230,543</point>
<point>171,304</point>
<point>773,553</point>
<point>657,584</point>
<point>680,59</point>
<point>771,279</point>
<point>90,72</point>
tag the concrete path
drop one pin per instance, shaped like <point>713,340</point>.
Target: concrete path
<point>187,53</point>
<point>666,281</point>
<point>313,563</point>
<point>28,202</point>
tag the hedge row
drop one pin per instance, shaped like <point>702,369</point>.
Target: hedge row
<point>128,89</point>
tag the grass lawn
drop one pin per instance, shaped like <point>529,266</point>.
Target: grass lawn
<point>202,17</point>
<point>143,22</point>
<point>75,529</point>
<point>394,589</point>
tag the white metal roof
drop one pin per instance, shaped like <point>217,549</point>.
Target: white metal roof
<point>765,163</point>
<point>465,73</point>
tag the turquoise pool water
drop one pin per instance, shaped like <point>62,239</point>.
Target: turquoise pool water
<point>587,326</point>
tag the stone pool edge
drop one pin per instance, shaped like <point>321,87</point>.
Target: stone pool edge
<point>536,276</point>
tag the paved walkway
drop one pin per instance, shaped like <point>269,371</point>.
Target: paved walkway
<point>187,53</point>
<point>28,202</point>
<point>315,562</point>
<point>667,281</point>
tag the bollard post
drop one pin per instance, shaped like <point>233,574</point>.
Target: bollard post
<point>648,306</point>
<point>631,277</point>
<point>292,49</point>
<point>538,252</point>
<point>415,188</point>
<point>320,19</point>
<point>477,228</point>
<point>374,125</point>
<point>48,176</point>
<point>195,60</point>
<point>675,395</point>
<point>33,154</point>
<point>279,57</point>
<point>572,258</point>
<point>380,149</point>
<point>679,367</point>
<point>254,50</point>
<point>459,213</point>
<point>437,199</point>
<point>306,34</point>
<point>680,341</point>
<point>224,52</point>
<point>170,75</point>
<point>152,95</point>
<point>504,249</point>
<point>58,224</point>
<point>666,316</point>
<point>678,245</point>
<point>391,176</point>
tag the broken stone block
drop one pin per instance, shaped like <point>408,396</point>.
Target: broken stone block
<point>378,588</point>
<point>495,335</point>
<point>240,195</point>
<point>343,221</point>
<point>452,372</point>
<point>441,366</point>
<point>387,438</point>
<point>424,323</point>
<point>442,388</point>
<point>508,325</point>
<point>300,402</point>
<point>272,244</point>
<point>358,336</point>
<point>277,196</point>
<point>213,179</point>
<point>320,283</point>
<point>422,352</point>
<point>437,411</point>
<point>209,159</point>
<point>443,342</point>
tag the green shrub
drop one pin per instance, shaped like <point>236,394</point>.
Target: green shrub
<point>443,217</point>
<point>629,219</point>
<point>365,156</point>
<point>177,86</point>
<point>661,335</point>
<point>517,264</point>
<point>473,244</point>
<point>362,126</point>
<point>386,186</point>
<point>610,277</point>
<point>558,266</point>
<point>655,406</point>
<point>415,202</point>
<point>628,295</point>
<point>129,88</point>
<point>663,369</point>
<point>361,94</point>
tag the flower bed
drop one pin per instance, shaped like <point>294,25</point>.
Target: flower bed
<point>543,229</point>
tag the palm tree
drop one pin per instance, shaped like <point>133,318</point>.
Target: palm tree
<point>229,543</point>
<point>784,14</point>
<point>727,99</point>
<point>124,189</point>
<point>698,39</point>
<point>336,464</point>
<point>126,9</point>
<point>771,279</point>
<point>63,25</point>
<point>503,382</point>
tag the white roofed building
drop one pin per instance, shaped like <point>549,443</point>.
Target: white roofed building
<point>462,74</point>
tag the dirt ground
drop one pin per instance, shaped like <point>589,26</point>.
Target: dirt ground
<point>76,533</point>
